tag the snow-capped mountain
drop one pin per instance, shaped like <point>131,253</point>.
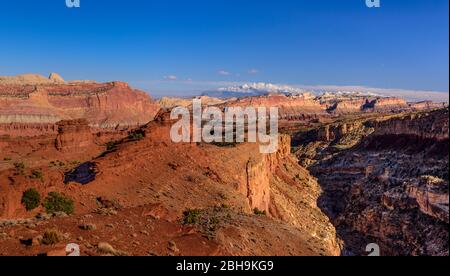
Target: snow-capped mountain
<point>261,88</point>
<point>253,89</point>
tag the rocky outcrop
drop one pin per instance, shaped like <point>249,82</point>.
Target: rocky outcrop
<point>367,104</point>
<point>27,129</point>
<point>426,105</point>
<point>335,132</point>
<point>290,107</point>
<point>389,186</point>
<point>305,107</point>
<point>259,173</point>
<point>426,125</point>
<point>168,102</point>
<point>56,78</point>
<point>106,105</point>
<point>31,79</point>
<point>73,135</point>
<point>428,194</point>
<point>387,105</point>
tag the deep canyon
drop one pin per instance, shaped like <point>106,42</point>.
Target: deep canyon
<point>350,170</point>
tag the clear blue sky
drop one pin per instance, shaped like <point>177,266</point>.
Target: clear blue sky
<point>403,44</point>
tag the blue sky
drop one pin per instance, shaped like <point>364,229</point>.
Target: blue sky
<point>181,46</point>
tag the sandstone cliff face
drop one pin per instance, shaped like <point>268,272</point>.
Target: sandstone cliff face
<point>428,193</point>
<point>290,107</point>
<point>73,135</point>
<point>27,129</point>
<point>310,108</point>
<point>425,125</point>
<point>389,186</point>
<point>426,105</point>
<point>388,105</point>
<point>107,105</point>
<point>169,103</point>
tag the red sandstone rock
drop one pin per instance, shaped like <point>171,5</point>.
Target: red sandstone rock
<point>105,105</point>
<point>73,135</point>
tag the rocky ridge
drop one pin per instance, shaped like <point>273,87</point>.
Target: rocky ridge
<point>36,100</point>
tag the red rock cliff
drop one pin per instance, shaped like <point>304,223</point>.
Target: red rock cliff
<point>105,105</point>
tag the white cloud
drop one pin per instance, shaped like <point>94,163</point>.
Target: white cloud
<point>253,71</point>
<point>224,73</point>
<point>199,86</point>
<point>407,94</point>
<point>171,78</point>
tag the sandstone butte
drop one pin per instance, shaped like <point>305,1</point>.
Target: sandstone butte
<point>33,104</point>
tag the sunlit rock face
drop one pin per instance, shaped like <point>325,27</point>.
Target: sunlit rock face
<point>33,99</point>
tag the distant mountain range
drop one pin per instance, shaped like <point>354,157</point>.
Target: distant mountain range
<point>252,89</point>
<point>261,89</point>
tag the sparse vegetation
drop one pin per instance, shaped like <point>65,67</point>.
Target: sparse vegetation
<point>20,168</point>
<point>57,164</point>
<point>111,146</point>
<point>31,199</point>
<point>191,216</point>
<point>7,159</point>
<point>51,237</point>
<point>135,136</point>
<point>56,202</point>
<point>258,212</point>
<point>36,174</point>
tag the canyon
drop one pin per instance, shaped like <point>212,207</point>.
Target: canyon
<point>349,170</point>
<point>385,181</point>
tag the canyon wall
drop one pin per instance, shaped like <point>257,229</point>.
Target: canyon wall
<point>103,105</point>
<point>73,135</point>
<point>389,185</point>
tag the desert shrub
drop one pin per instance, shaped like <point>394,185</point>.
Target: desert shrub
<point>258,212</point>
<point>136,136</point>
<point>111,146</point>
<point>51,237</point>
<point>56,202</point>
<point>31,199</point>
<point>20,167</point>
<point>191,216</point>
<point>35,174</point>
<point>7,159</point>
<point>57,164</point>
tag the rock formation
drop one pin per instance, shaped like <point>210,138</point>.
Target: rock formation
<point>239,201</point>
<point>73,135</point>
<point>34,100</point>
<point>385,181</point>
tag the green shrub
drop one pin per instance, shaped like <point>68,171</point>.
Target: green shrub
<point>35,174</point>
<point>20,167</point>
<point>191,216</point>
<point>51,237</point>
<point>258,212</point>
<point>111,146</point>
<point>31,199</point>
<point>136,136</point>
<point>56,202</point>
